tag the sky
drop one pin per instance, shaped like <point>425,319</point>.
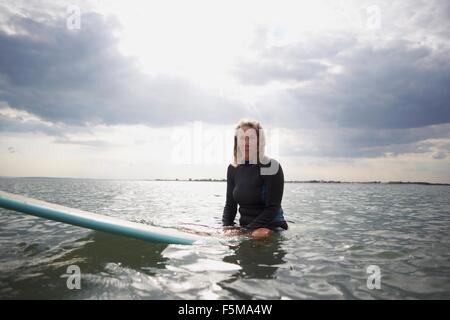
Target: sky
<point>345,90</point>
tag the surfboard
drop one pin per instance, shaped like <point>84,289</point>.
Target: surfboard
<point>95,221</point>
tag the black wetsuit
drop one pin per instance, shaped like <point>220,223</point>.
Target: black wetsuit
<point>259,198</point>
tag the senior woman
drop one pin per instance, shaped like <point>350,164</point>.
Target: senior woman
<point>255,183</point>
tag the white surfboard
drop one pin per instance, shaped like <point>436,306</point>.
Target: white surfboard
<point>94,221</point>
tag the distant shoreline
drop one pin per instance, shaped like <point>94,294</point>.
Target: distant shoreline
<point>319,181</point>
<point>224,180</point>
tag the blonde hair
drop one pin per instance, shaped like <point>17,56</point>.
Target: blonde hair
<point>260,144</point>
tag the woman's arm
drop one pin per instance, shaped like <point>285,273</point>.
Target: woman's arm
<point>230,209</point>
<point>274,195</point>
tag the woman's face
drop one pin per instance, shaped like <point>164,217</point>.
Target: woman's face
<point>245,139</point>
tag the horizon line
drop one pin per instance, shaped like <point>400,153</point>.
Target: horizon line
<point>224,180</point>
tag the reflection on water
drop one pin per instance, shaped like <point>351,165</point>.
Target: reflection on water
<point>98,255</point>
<point>101,248</point>
<point>259,259</point>
<point>335,232</point>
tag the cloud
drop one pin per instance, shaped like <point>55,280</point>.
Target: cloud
<point>398,85</point>
<point>89,143</point>
<point>78,77</point>
<point>341,93</point>
<point>262,72</point>
<point>363,143</point>
<point>18,121</point>
<point>373,94</point>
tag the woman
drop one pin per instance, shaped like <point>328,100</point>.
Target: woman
<point>255,182</point>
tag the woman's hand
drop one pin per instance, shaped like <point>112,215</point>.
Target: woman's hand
<point>261,233</point>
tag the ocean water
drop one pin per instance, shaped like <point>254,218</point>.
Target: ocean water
<point>336,232</point>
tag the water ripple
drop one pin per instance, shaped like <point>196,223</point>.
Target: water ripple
<point>336,232</point>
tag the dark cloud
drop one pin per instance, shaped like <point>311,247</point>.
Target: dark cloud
<point>17,125</point>
<point>373,97</point>
<point>354,143</point>
<point>399,85</point>
<point>78,77</point>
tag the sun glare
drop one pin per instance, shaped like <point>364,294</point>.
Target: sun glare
<point>201,40</point>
